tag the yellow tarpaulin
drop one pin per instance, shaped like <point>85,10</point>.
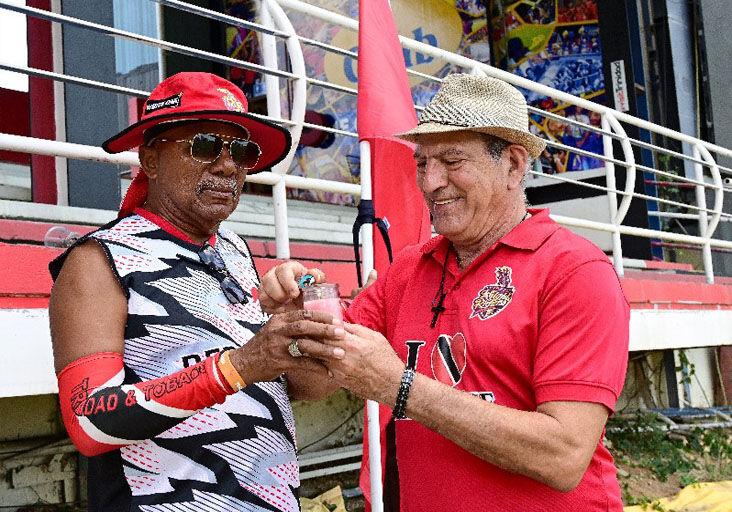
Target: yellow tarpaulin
<point>703,497</point>
<point>329,501</point>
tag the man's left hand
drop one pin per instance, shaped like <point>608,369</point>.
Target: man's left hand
<point>371,280</point>
<point>370,368</point>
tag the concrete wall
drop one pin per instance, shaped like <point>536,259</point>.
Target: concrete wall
<point>333,422</point>
<point>36,464</point>
<point>91,115</point>
<point>718,42</point>
<point>646,384</point>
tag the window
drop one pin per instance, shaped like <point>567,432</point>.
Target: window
<point>13,47</point>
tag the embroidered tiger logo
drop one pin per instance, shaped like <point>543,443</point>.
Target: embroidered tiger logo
<point>493,298</point>
<point>230,101</point>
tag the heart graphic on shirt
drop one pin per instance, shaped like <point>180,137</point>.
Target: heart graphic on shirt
<point>449,358</point>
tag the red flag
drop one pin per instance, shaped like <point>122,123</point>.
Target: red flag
<point>385,107</point>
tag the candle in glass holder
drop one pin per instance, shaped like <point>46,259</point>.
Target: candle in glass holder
<point>323,297</point>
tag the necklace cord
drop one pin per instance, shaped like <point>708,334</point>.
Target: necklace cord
<point>437,305</point>
<point>439,298</point>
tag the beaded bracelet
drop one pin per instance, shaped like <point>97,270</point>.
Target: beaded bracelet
<point>401,401</point>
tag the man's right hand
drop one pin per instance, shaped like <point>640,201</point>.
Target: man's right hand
<point>369,281</point>
<point>279,291</point>
<point>266,356</point>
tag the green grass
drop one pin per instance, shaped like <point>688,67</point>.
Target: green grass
<point>698,455</point>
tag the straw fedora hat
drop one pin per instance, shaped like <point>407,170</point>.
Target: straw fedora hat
<point>481,104</point>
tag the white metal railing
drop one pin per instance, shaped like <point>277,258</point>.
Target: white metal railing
<point>274,23</point>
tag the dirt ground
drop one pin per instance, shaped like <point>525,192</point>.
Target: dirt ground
<point>642,484</point>
<point>654,464</point>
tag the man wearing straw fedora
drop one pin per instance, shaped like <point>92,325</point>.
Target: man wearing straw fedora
<point>500,345</point>
<point>171,378</point>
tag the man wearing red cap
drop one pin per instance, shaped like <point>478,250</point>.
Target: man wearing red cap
<point>171,379</point>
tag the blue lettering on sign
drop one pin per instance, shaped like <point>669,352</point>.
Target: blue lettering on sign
<point>348,67</point>
<point>407,57</point>
<point>430,39</point>
<point>419,58</point>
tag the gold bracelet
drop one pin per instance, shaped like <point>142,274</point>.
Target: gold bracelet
<point>230,373</point>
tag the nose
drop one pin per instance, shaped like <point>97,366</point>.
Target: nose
<point>224,164</point>
<point>433,177</point>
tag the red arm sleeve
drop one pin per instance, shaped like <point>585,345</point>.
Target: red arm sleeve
<point>101,413</point>
<point>582,351</point>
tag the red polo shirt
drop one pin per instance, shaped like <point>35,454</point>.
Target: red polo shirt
<point>538,317</point>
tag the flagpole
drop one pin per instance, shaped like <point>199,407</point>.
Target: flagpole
<point>367,231</point>
<point>372,408</point>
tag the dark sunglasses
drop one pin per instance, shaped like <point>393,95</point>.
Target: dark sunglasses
<point>207,147</point>
<point>232,290</point>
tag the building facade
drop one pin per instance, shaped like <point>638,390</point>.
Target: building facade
<point>658,60</point>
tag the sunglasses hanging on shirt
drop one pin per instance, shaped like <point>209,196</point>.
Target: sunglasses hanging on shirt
<point>232,290</point>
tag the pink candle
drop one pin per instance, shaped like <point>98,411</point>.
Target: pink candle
<point>323,297</point>
<point>330,305</point>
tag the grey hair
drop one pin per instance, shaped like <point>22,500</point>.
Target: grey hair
<point>529,166</point>
<point>494,146</point>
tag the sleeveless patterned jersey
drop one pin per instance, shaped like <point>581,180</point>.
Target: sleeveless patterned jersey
<point>237,456</point>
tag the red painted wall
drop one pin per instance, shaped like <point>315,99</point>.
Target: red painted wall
<point>42,113</point>
<point>14,119</point>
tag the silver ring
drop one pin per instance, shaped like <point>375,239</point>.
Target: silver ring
<point>293,349</point>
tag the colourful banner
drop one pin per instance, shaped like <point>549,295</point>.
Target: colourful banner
<point>455,25</point>
<point>555,43</point>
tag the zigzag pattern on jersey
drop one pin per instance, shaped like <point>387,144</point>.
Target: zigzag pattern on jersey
<point>178,316</point>
<point>206,502</point>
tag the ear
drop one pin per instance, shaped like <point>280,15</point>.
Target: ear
<point>149,161</point>
<point>518,158</point>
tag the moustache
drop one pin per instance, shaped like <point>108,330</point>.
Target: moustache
<point>218,185</point>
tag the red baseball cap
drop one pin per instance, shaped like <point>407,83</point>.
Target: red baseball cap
<point>195,96</point>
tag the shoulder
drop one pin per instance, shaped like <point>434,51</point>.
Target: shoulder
<point>564,254</point>
<point>85,268</point>
<point>130,225</point>
<point>238,242</point>
<point>410,255</point>
<point>128,244</point>
<point>565,251</point>
<point>404,263</point>
<point>370,305</point>
<point>58,263</point>
<point>134,232</point>
<point>575,267</point>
